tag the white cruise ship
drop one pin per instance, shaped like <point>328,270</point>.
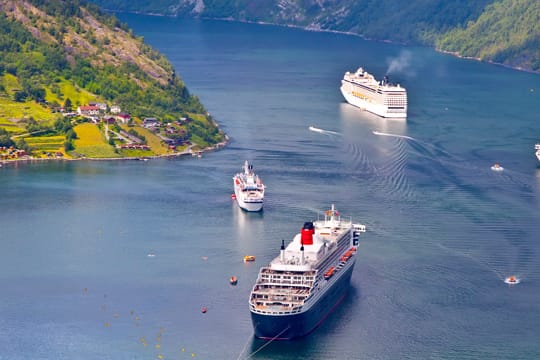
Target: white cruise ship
<point>248,189</point>
<point>381,98</point>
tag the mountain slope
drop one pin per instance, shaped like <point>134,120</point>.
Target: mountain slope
<point>55,53</point>
<point>450,25</point>
<point>508,32</point>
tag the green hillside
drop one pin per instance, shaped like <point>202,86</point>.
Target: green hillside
<point>503,31</point>
<point>57,55</point>
<point>508,32</point>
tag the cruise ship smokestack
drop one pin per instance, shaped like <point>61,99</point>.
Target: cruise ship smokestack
<point>282,251</point>
<point>307,233</point>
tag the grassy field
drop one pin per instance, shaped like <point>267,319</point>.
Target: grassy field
<point>152,140</point>
<point>76,95</point>
<point>51,144</point>
<point>91,143</point>
<point>11,111</point>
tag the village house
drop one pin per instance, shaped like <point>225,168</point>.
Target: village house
<point>150,123</point>
<point>88,110</point>
<point>123,117</point>
<point>109,120</point>
<point>101,106</point>
<point>115,109</point>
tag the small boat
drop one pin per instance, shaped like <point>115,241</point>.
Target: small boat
<point>248,258</point>
<point>203,309</point>
<point>233,280</point>
<point>497,167</point>
<point>512,280</point>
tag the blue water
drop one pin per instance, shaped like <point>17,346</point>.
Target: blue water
<point>77,281</point>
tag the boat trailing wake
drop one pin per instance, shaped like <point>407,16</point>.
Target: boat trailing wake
<point>322,131</point>
<point>392,135</point>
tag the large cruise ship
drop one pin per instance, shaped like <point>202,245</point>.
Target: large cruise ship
<point>310,277</point>
<point>248,189</point>
<point>381,98</point>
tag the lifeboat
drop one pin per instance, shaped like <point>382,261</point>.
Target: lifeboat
<point>328,274</point>
<point>345,257</point>
<point>233,280</point>
<point>249,258</point>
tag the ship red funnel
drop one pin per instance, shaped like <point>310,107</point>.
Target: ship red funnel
<point>307,233</point>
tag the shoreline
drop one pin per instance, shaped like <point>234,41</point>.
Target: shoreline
<point>187,152</point>
<point>452,53</point>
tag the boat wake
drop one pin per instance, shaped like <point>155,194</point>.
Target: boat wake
<point>392,135</point>
<point>322,131</point>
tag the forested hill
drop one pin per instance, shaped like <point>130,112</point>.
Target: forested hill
<point>502,31</point>
<point>58,55</point>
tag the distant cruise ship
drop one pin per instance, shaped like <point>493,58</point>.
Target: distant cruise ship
<point>310,277</point>
<point>381,98</point>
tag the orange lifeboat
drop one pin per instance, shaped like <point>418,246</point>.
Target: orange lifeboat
<point>249,258</point>
<point>328,274</point>
<point>345,257</point>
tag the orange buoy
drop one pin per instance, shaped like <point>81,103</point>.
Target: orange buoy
<point>233,280</point>
<point>203,310</point>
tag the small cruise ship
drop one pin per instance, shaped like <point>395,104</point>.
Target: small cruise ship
<point>309,278</point>
<point>381,98</point>
<point>537,148</point>
<point>248,189</point>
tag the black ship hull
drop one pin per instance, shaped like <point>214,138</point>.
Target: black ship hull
<point>291,326</point>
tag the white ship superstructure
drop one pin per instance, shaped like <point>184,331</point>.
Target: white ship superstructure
<point>537,148</point>
<point>248,189</point>
<point>300,287</point>
<point>381,98</point>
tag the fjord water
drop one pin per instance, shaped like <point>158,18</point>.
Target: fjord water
<point>114,260</point>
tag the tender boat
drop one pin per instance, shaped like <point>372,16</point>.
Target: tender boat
<point>497,167</point>
<point>249,258</point>
<point>512,280</point>
<point>307,280</point>
<point>248,189</point>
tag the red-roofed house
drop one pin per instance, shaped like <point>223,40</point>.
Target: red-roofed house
<point>88,110</point>
<point>123,117</point>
